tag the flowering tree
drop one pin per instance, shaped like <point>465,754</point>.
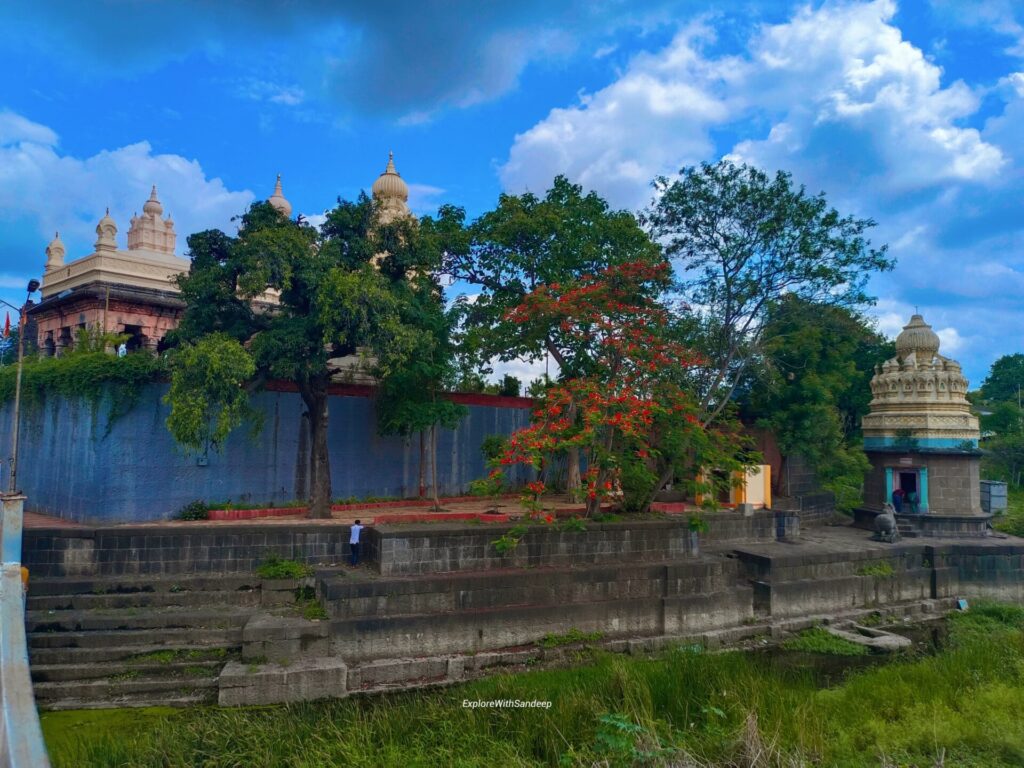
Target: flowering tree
<point>628,411</point>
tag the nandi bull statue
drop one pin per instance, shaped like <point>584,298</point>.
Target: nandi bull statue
<point>885,525</point>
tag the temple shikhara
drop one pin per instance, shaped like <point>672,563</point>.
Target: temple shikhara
<point>922,439</point>
<point>132,291</point>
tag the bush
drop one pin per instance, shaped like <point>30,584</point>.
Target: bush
<point>637,485</point>
<point>493,447</point>
<point>275,567</point>
<point>194,510</point>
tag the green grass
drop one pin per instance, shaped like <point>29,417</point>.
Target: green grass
<point>882,570</point>
<point>819,640</point>
<point>1013,521</point>
<point>714,709</point>
<point>278,568</point>
<point>571,637</point>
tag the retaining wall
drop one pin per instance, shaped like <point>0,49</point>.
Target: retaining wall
<point>78,465</point>
<point>397,550</point>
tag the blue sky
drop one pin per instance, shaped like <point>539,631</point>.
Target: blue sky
<point>909,112</point>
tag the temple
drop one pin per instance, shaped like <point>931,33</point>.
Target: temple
<point>133,291</point>
<point>922,440</point>
<point>119,291</point>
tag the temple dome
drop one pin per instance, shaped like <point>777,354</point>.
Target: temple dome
<point>55,252</point>
<point>106,232</point>
<point>389,185</point>
<point>153,207</point>
<point>917,337</point>
<point>278,199</point>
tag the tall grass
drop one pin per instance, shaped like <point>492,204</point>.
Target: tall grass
<point>682,708</point>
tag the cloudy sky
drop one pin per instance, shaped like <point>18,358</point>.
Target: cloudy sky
<point>909,112</point>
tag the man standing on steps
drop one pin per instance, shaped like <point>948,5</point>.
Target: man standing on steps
<point>353,541</point>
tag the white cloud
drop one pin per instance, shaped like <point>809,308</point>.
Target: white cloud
<point>276,93</point>
<point>424,198</point>
<point>56,191</point>
<point>838,97</point>
<point>15,129</point>
<point>949,340</point>
<point>841,72</point>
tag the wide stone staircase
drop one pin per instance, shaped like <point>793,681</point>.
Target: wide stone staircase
<point>374,617</point>
<point>131,641</point>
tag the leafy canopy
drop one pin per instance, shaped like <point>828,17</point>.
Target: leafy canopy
<point>282,298</point>
<point>526,242</point>
<point>741,240</point>
<point>812,388</point>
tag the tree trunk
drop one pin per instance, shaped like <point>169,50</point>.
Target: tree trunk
<point>573,480</point>
<point>423,469</point>
<point>433,467</point>
<point>663,480</point>
<point>314,395</point>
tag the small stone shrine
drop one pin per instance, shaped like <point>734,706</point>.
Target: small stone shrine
<point>922,441</point>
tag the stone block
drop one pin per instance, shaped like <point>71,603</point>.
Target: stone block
<point>397,671</point>
<point>282,638</point>
<point>305,680</point>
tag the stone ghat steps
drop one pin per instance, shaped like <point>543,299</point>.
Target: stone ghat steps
<point>82,594</point>
<point>132,642</point>
<point>138,637</point>
<point>180,670</point>
<point>204,697</point>
<point>40,622</point>
<point>162,691</point>
<point>129,655</point>
<point>347,598</point>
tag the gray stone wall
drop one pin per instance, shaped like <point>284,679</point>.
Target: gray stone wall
<point>392,549</point>
<point>409,550</point>
<point>954,484</point>
<point>151,551</point>
<point>954,481</point>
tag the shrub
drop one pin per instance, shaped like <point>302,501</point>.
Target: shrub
<point>275,567</point>
<point>881,570</point>
<point>194,510</point>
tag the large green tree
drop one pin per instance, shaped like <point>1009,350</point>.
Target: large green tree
<point>528,241</point>
<point>740,241</point>
<point>811,388</point>
<point>1005,380</point>
<point>412,398</point>
<point>282,298</point>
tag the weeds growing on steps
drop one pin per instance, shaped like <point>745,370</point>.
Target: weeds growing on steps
<point>681,708</point>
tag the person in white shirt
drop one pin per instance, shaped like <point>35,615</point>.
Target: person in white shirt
<point>353,541</point>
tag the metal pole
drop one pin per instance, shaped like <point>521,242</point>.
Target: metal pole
<point>12,485</point>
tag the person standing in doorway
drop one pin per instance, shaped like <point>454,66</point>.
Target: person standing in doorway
<point>353,541</point>
<point>897,499</point>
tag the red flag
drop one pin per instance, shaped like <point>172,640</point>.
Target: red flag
<point>7,326</point>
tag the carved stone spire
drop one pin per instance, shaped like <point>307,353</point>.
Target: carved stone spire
<point>149,232</point>
<point>391,193</point>
<point>106,234</point>
<point>55,253</point>
<point>278,199</point>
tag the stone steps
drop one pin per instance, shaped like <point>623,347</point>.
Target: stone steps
<point>205,697</point>
<point>188,599</point>
<point>131,585</point>
<point>125,693</point>
<point>134,642</point>
<point>141,637</point>
<point>37,622</point>
<point>128,654</point>
<point>397,598</point>
<point>77,672</point>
